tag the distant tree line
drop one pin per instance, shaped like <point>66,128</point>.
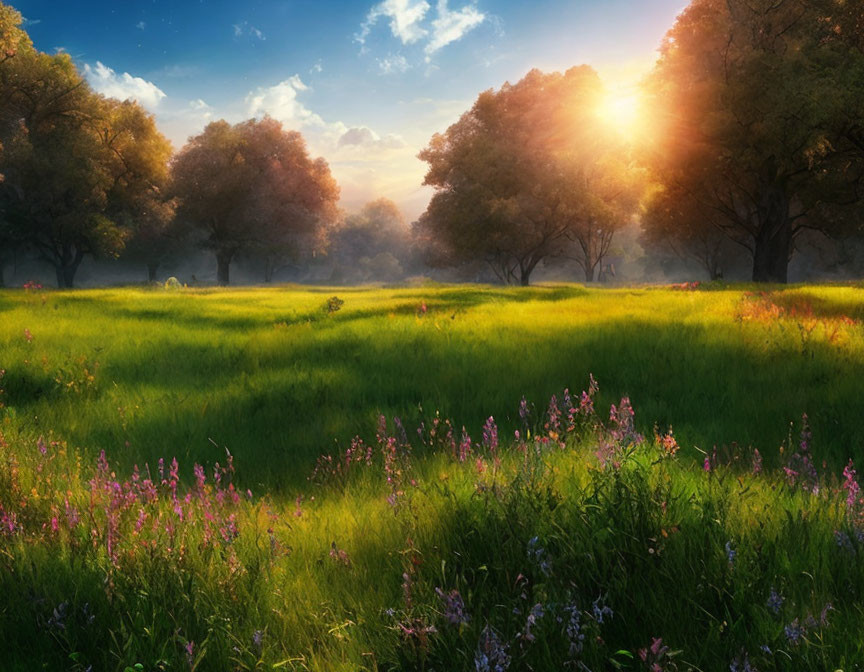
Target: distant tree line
<point>753,150</point>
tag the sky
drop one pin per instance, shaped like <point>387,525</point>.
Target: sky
<point>367,82</point>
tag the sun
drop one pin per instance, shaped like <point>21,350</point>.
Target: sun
<point>621,110</point>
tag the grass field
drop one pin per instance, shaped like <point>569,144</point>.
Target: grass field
<point>267,373</point>
<point>579,542</point>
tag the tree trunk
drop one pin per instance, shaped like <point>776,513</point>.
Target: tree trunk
<point>2,267</point>
<point>269,267</point>
<point>152,267</point>
<point>773,244</point>
<point>589,273</point>
<point>525,277</point>
<point>223,266</point>
<point>66,275</point>
<point>67,265</point>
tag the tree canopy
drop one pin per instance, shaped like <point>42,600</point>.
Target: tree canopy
<point>76,166</point>
<point>528,173</point>
<point>758,111</point>
<point>253,187</point>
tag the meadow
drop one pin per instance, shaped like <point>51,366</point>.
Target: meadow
<point>430,478</point>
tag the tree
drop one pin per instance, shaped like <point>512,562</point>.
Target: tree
<point>156,234</point>
<point>252,187</point>
<point>679,222</point>
<point>12,39</point>
<point>371,244</point>
<point>759,117</point>
<point>523,176</point>
<point>76,165</point>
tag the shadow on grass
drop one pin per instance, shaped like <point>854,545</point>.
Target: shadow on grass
<point>712,388</point>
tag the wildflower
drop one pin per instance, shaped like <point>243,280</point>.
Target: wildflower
<point>57,621</point>
<point>537,612</point>
<point>490,435</point>
<point>40,444</point>
<point>600,611</point>
<point>524,413</point>
<point>741,664</point>
<point>537,554</point>
<point>339,555</point>
<point>775,601</point>
<point>843,541</point>
<point>28,336</point>
<point>491,655</point>
<point>190,653</point>
<point>199,478</point>
<point>623,431</point>
<point>706,464</point>
<point>850,484</point>
<point>668,444</point>
<point>654,654</point>
<point>553,423</point>
<point>730,553</point>
<point>794,632</point>
<point>757,462</point>
<point>464,446</point>
<point>258,640</point>
<point>454,606</point>
<point>800,468</point>
<point>823,617</point>
<point>573,629</point>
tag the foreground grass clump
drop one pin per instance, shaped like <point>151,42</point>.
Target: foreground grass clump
<point>573,542</point>
<point>275,374</point>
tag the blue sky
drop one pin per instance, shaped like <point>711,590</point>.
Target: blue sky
<point>367,82</point>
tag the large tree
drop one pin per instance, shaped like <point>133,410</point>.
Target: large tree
<point>759,118</point>
<point>12,39</point>
<point>76,165</point>
<point>526,175</point>
<point>253,187</point>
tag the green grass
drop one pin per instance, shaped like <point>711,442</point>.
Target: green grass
<point>266,373</point>
<point>343,580</point>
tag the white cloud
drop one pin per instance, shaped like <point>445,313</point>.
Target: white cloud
<point>245,29</point>
<point>26,23</point>
<point>317,68</point>
<point>280,102</point>
<point>106,81</point>
<point>366,138</point>
<point>141,25</point>
<point>451,26</point>
<point>393,64</point>
<point>405,19</point>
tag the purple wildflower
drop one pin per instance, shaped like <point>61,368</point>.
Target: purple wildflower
<point>491,655</point>
<point>490,435</point>
<point>794,632</point>
<point>741,664</point>
<point>454,607</point>
<point>600,611</point>
<point>730,553</point>
<point>573,629</point>
<point>538,555</point>
<point>850,484</point>
<point>757,462</point>
<point>843,541</point>
<point>537,612</point>
<point>775,601</point>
